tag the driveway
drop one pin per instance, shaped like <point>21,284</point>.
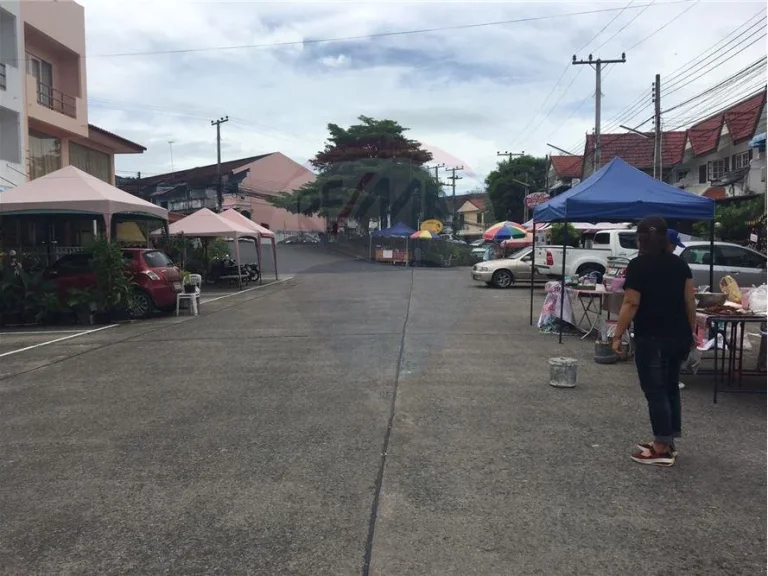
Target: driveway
<point>361,419</point>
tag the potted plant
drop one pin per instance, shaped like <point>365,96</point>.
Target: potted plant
<point>189,288</point>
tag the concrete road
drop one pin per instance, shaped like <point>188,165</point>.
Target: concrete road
<point>361,419</point>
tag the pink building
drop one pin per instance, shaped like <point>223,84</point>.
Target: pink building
<point>54,126</point>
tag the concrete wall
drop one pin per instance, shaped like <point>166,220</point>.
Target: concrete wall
<point>12,100</point>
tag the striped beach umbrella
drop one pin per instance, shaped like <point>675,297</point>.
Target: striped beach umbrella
<point>505,231</point>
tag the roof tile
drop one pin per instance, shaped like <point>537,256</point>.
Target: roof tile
<point>741,119</point>
<point>568,166</point>
<point>637,150</point>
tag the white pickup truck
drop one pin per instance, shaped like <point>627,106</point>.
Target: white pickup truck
<point>581,261</point>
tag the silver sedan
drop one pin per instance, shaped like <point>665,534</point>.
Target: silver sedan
<point>506,272</point>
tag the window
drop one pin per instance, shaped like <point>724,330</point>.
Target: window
<point>696,255</point>
<point>602,239</point>
<point>741,160</point>
<point>10,142</point>
<point>91,161</point>
<point>739,257</point>
<point>479,217</point>
<point>44,155</point>
<point>2,76</point>
<point>157,259</point>
<point>703,174</point>
<point>682,175</point>
<point>718,168</point>
<point>628,240</point>
<point>43,73</point>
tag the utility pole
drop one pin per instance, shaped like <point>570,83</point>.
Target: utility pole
<point>436,168</point>
<point>598,66</point>
<point>453,179</point>
<point>170,145</point>
<point>657,128</point>
<point>218,123</point>
<point>509,155</point>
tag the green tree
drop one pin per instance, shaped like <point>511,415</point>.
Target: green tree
<point>369,170</point>
<point>733,220</point>
<point>506,188</point>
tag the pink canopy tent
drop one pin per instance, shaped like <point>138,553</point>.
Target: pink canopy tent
<point>72,191</point>
<point>207,224</point>
<point>234,216</point>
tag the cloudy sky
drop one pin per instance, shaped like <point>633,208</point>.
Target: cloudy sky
<point>162,70</point>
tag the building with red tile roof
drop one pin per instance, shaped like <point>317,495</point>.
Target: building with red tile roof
<point>636,150</point>
<point>717,160</point>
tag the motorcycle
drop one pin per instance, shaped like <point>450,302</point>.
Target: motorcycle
<point>226,270</point>
<point>253,272</point>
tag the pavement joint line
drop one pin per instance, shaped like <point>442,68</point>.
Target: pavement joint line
<point>280,281</point>
<point>126,339</point>
<point>33,346</point>
<point>39,332</point>
<point>385,447</point>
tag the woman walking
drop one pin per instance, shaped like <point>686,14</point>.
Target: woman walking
<point>659,297</point>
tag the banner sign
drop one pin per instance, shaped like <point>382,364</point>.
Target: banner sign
<point>536,198</point>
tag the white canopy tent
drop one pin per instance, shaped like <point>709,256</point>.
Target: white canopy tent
<point>234,216</point>
<point>207,224</point>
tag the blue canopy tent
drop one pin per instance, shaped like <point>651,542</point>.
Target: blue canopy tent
<point>619,192</point>
<point>399,230</point>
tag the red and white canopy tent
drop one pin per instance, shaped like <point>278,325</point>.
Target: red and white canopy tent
<point>234,216</point>
<point>207,224</point>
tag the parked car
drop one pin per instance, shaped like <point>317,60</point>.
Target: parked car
<point>156,279</point>
<point>506,272</point>
<point>582,261</point>
<point>301,239</point>
<point>746,266</point>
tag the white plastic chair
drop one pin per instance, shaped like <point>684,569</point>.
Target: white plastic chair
<point>194,298</point>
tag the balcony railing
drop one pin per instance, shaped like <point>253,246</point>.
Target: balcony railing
<point>56,100</point>
<point>2,76</point>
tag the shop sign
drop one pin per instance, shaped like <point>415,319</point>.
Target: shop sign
<point>536,198</point>
<point>434,226</point>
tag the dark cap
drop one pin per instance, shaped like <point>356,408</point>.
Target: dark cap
<point>652,225</point>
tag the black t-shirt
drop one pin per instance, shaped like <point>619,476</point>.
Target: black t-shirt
<point>660,280</point>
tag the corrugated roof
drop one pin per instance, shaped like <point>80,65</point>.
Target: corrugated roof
<point>200,172</point>
<point>568,166</point>
<point>637,150</point>
<point>741,118</point>
<point>129,143</point>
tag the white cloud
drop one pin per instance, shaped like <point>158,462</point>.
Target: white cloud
<point>335,61</point>
<point>467,92</point>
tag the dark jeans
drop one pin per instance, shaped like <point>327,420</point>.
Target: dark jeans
<point>658,363</point>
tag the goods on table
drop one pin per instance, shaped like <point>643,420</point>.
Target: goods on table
<point>707,299</point>
<point>730,288</point>
<point>723,310</point>
<point>758,299</point>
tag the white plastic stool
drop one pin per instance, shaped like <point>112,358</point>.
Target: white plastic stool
<point>192,301</point>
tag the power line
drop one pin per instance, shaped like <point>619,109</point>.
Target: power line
<point>660,28</point>
<point>732,101</point>
<point>720,44</point>
<point>380,34</point>
<point>563,73</point>
<point>620,30</point>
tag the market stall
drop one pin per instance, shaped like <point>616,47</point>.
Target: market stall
<point>621,193</point>
<point>393,254</point>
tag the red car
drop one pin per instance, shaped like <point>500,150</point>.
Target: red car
<point>157,279</point>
